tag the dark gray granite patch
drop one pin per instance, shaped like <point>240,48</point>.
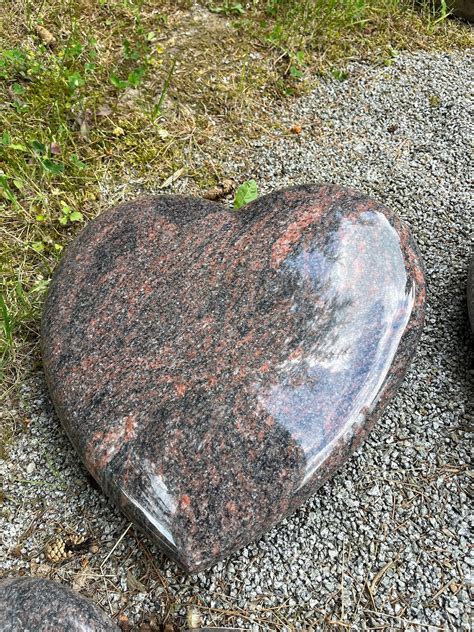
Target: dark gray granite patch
<point>41,605</point>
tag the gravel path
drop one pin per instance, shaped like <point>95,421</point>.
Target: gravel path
<point>386,542</point>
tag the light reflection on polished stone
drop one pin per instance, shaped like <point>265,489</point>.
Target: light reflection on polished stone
<point>364,304</point>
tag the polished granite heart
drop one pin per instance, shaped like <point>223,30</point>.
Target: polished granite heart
<point>213,368</point>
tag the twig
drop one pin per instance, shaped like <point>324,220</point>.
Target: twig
<point>439,592</point>
<point>376,580</point>
<point>116,545</point>
<point>342,578</point>
<point>394,616</point>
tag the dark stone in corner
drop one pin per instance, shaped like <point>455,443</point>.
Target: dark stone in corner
<point>41,605</point>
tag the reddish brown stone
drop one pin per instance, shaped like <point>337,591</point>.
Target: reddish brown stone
<point>213,368</point>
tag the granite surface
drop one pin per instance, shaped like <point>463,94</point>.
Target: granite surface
<point>470,292</point>
<point>213,368</point>
<point>41,605</point>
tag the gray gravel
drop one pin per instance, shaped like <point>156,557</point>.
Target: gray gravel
<point>386,542</point>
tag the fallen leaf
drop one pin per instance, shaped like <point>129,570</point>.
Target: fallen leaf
<point>123,622</point>
<point>151,625</point>
<point>134,584</point>
<point>104,110</point>
<point>80,579</point>
<point>16,551</point>
<point>84,129</point>
<point>219,191</point>
<point>172,178</point>
<point>40,570</point>
<point>163,133</point>
<point>46,36</point>
<point>82,122</point>
<point>128,98</point>
<point>193,618</point>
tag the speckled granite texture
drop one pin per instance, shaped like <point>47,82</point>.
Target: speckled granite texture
<point>470,293</point>
<point>41,605</point>
<point>213,368</point>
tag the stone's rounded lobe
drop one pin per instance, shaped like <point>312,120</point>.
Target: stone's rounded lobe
<point>214,368</point>
<point>42,605</point>
<point>470,293</point>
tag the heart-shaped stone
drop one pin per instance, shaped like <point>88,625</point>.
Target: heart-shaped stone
<point>213,368</point>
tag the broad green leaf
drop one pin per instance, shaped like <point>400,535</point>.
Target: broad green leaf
<point>52,167</point>
<point>38,148</point>
<point>75,81</point>
<point>247,192</point>
<point>38,246</point>
<point>136,77</point>
<point>76,162</point>
<point>295,72</point>
<point>18,147</point>
<point>117,82</point>
<point>76,216</point>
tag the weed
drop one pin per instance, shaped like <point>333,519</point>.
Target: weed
<point>438,12</point>
<point>228,8</point>
<point>6,323</point>
<point>69,215</point>
<point>434,101</point>
<point>157,109</point>
<point>340,75</point>
<point>245,193</point>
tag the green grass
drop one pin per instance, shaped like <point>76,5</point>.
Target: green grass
<point>117,96</point>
